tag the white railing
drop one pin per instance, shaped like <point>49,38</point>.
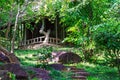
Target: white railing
<point>54,40</point>
<point>40,40</point>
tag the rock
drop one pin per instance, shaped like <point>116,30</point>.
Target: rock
<point>77,69</point>
<point>58,66</point>
<point>39,73</point>
<point>4,75</point>
<point>65,57</point>
<point>80,70</point>
<point>15,69</point>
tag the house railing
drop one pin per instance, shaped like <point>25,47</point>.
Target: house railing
<point>40,40</point>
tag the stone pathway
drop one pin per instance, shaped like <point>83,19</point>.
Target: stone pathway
<point>21,74</point>
<point>78,73</point>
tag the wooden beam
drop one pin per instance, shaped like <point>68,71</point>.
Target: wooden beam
<point>24,39</point>
<point>56,28</point>
<point>63,32</point>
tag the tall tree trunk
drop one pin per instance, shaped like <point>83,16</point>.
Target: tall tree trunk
<point>46,40</point>
<point>8,30</point>
<point>9,24</point>
<point>14,31</point>
<point>56,28</point>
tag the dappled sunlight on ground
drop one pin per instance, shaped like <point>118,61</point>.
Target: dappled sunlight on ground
<point>97,71</point>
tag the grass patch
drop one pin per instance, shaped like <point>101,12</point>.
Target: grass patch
<point>27,57</point>
<point>100,72</point>
<point>58,75</point>
<point>97,71</point>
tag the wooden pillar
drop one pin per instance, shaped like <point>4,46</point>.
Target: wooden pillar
<point>24,41</point>
<point>25,36</point>
<point>63,33</point>
<point>56,28</point>
<point>10,35</point>
<point>21,32</point>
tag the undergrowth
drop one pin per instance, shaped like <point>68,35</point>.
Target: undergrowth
<point>97,71</point>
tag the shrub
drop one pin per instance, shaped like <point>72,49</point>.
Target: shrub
<point>109,43</point>
<point>44,55</point>
<point>58,75</point>
<point>12,76</point>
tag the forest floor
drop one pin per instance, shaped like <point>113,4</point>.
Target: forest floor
<point>96,71</point>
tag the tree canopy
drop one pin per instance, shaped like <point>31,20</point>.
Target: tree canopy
<point>93,26</point>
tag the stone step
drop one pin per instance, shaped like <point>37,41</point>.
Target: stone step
<point>81,70</point>
<point>71,67</point>
<point>81,73</point>
<point>77,69</point>
<point>79,77</point>
<point>77,73</point>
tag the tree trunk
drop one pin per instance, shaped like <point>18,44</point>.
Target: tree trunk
<point>56,28</point>
<point>14,31</point>
<point>8,30</point>
<point>12,57</point>
<point>47,37</point>
<point>9,24</point>
<point>4,50</point>
<point>46,40</point>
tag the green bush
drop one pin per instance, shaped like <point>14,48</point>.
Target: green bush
<point>109,43</point>
<point>58,75</point>
<point>12,76</point>
<point>43,55</point>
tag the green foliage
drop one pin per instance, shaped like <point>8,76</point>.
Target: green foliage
<point>90,24</point>
<point>5,42</point>
<point>27,57</point>
<point>108,42</point>
<point>107,35</point>
<point>12,76</point>
<point>58,75</point>
<point>79,18</point>
<point>8,13</point>
<point>99,72</point>
<point>43,55</point>
<point>49,9</point>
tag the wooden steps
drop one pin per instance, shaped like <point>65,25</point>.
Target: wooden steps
<point>78,73</point>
